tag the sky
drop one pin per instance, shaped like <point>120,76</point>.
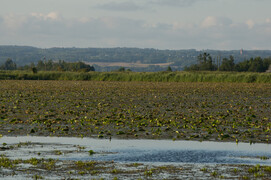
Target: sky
<point>159,24</point>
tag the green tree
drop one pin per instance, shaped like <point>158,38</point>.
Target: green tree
<point>121,69</point>
<point>49,65</point>
<point>267,63</point>
<point>242,66</point>
<point>9,65</point>
<point>169,69</point>
<point>256,65</point>
<point>227,64</point>
<point>206,62</point>
<point>34,70</point>
<point>41,65</point>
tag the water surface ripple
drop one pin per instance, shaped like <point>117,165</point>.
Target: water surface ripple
<point>145,151</point>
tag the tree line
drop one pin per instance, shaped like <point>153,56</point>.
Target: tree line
<point>49,65</point>
<point>23,55</point>
<point>207,63</point>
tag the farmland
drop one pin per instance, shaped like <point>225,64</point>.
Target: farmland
<point>238,112</point>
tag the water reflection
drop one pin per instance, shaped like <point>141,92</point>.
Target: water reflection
<point>147,151</point>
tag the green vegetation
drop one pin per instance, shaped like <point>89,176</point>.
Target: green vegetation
<point>264,158</point>
<point>49,66</point>
<point>48,168</point>
<point>194,111</point>
<point>214,174</point>
<point>206,63</point>
<point>203,169</point>
<point>178,59</point>
<point>148,173</point>
<point>137,76</point>
<point>9,65</point>
<point>91,152</point>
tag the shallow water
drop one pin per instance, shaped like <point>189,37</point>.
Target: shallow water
<point>146,151</point>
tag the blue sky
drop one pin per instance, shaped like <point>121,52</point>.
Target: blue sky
<point>162,24</point>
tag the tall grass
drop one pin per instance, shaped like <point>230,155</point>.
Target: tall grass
<point>141,76</point>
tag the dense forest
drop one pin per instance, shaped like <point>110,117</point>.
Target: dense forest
<point>178,59</point>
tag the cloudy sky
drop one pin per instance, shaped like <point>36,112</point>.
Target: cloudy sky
<point>162,24</point>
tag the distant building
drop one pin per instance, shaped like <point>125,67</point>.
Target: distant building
<point>269,70</point>
<point>241,52</point>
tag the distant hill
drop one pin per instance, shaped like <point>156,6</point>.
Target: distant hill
<point>134,58</point>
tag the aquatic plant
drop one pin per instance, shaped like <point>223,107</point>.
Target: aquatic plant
<point>148,173</point>
<point>81,172</point>
<point>237,112</point>
<point>204,169</point>
<point>49,164</point>
<point>91,152</point>
<point>236,170</point>
<point>57,152</point>
<point>267,169</point>
<point>114,171</point>
<point>254,169</point>
<point>33,161</point>
<point>5,162</point>
<point>81,164</point>
<point>214,174</point>
<point>264,158</point>
<point>36,177</point>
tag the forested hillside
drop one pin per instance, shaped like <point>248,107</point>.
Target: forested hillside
<point>149,59</point>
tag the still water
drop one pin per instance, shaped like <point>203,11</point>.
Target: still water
<point>143,151</point>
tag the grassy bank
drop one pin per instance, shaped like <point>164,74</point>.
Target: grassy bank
<point>141,76</point>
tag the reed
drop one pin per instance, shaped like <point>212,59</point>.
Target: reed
<point>244,77</point>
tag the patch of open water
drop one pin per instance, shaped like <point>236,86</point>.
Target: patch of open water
<point>142,151</point>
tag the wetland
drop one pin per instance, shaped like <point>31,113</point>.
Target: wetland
<point>153,126</point>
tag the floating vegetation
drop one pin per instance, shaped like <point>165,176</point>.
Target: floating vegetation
<point>69,166</point>
<point>237,112</point>
<point>91,152</point>
<point>264,158</point>
<point>97,169</point>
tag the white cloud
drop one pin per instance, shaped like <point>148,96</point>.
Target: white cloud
<point>120,6</point>
<point>268,20</point>
<point>50,30</point>
<point>13,22</point>
<point>109,22</point>
<point>209,21</point>
<point>85,20</point>
<point>50,16</point>
<point>250,23</point>
<point>179,3</point>
<point>53,16</point>
<point>212,21</point>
